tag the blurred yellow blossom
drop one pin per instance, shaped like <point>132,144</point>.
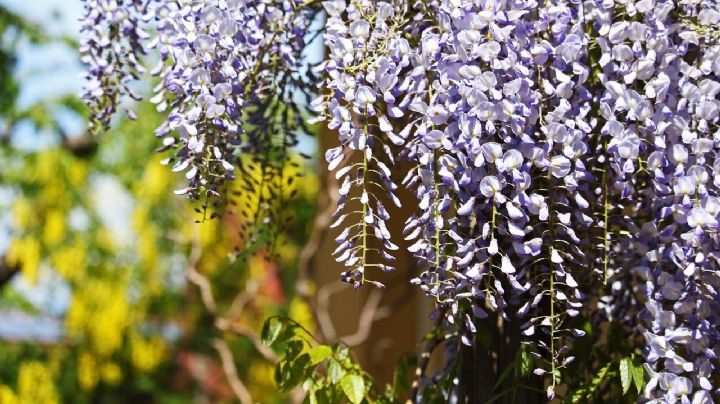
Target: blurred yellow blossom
<point>147,353</point>
<point>146,237</point>
<point>111,373</point>
<point>46,165</point>
<point>70,261</point>
<point>25,252</point>
<point>23,213</point>
<point>147,254</point>
<point>257,267</point>
<point>309,185</point>
<point>109,323</point>
<point>55,229</point>
<point>7,396</point>
<point>35,384</point>
<point>155,182</point>
<point>76,315</point>
<point>54,193</point>
<point>209,232</point>
<point>100,310</point>
<point>77,172</point>
<point>285,250</point>
<point>300,312</point>
<point>261,379</point>
<point>87,371</point>
<point>104,240</point>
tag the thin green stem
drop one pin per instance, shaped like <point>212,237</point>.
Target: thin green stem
<point>552,281</point>
<point>436,214</point>
<point>436,194</point>
<point>606,226</point>
<point>493,216</point>
<point>364,205</point>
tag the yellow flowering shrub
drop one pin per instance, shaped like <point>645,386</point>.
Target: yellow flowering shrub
<point>47,165</point>
<point>55,229</point>
<point>23,214</point>
<point>54,192</point>
<point>147,353</point>
<point>25,252</point>
<point>35,384</point>
<point>155,182</point>
<point>77,172</point>
<point>146,236</point>
<point>301,312</point>
<point>100,311</point>
<point>7,396</point>
<point>87,374</point>
<point>119,291</point>
<point>70,261</point>
<point>260,379</point>
<point>103,240</point>
<point>111,373</point>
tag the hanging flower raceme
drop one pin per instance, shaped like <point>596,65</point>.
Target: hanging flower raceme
<point>228,71</point>
<point>618,163</point>
<point>472,174</point>
<point>366,55</point>
<point>681,309</point>
<point>111,46</point>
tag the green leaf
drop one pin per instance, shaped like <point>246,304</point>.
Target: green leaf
<point>581,395</point>
<point>577,396</point>
<point>342,352</point>
<point>289,374</point>
<point>319,354</point>
<point>308,385</point>
<point>625,375</point>
<point>526,361</point>
<point>601,376</point>
<point>270,331</point>
<point>320,395</point>
<point>354,388</point>
<point>401,376</point>
<point>294,348</point>
<point>638,375</point>
<point>335,371</point>
<point>280,374</point>
<point>310,398</point>
<point>299,370</point>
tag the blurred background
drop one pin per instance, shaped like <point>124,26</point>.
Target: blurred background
<point>109,290</point>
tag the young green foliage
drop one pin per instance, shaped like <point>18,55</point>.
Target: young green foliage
<point>327,373</point>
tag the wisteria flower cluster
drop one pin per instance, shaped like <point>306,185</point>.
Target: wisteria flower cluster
<point>215,88</point>
<point>111,46</point>
<point>563,154</point>
<point>229,71</point>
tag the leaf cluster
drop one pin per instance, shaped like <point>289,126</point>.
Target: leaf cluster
<point>327,373</point>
